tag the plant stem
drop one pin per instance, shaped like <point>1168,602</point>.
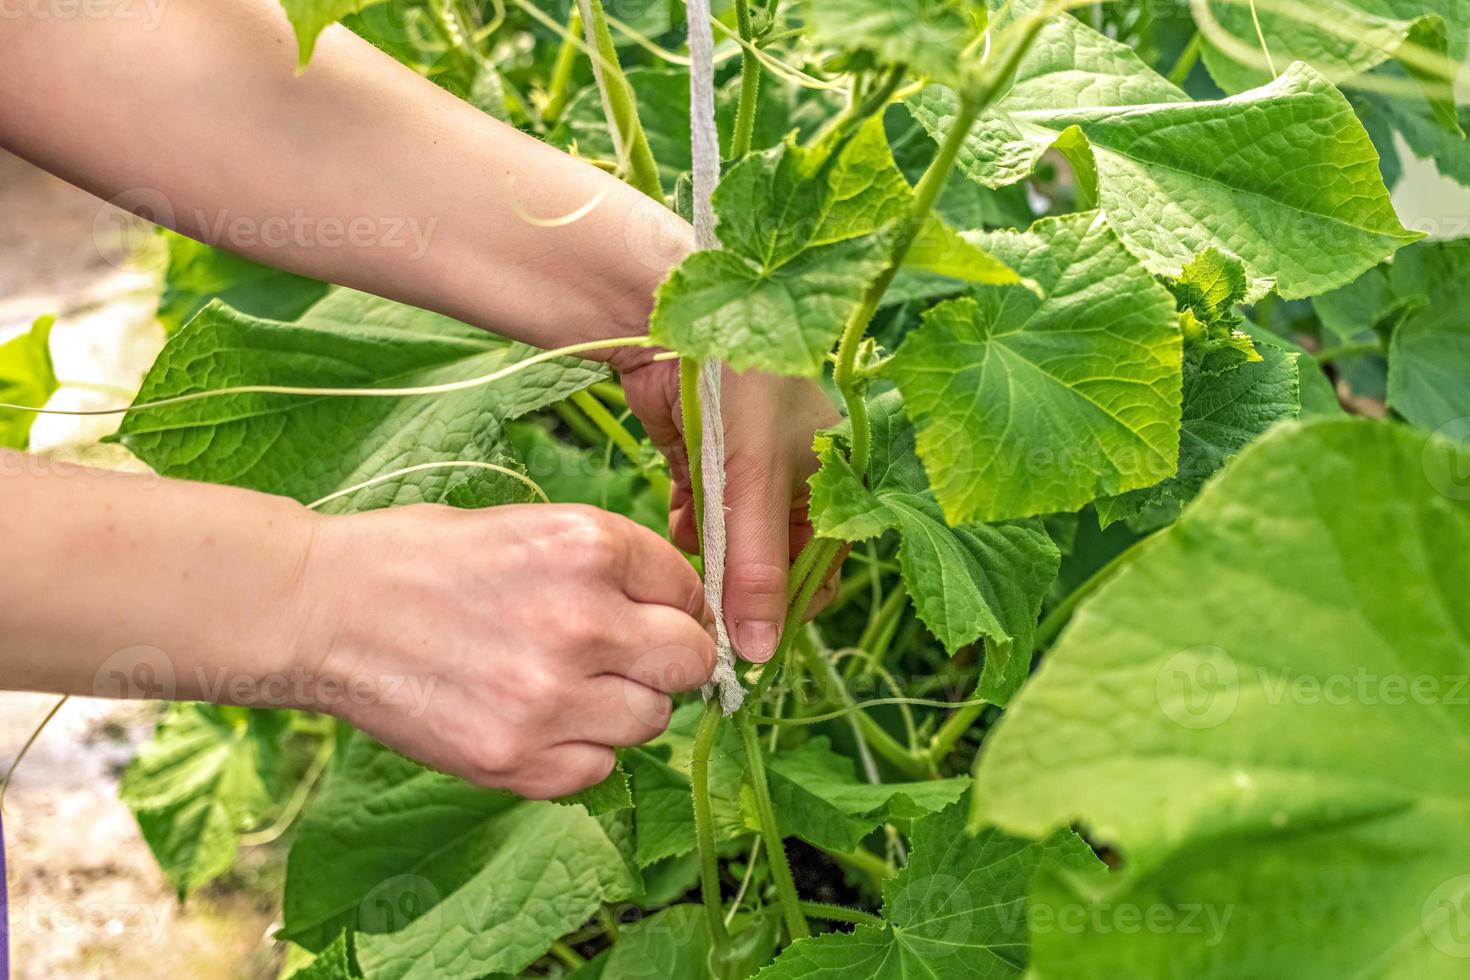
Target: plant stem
<point>878,738</point>
<point>567,955</point>
<point>622,106</point>
<point>1179,74</point>
<point>1062,612</point>
<point>704,826</point>
<point>580,424</point>
<point>693,417</point>
<point>1349,350</point>
<point>608,424</point>
<point>610,391</point>
<point>796,924</point>
<point>952,731</point>
<point>825,553</point>
<point>884,623</point>
<point>750,84</point>
<point>559,90</point>
<point>867,863</point>
<point>840,913</point>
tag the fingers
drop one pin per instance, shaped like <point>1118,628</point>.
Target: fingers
<point>665,650</point>
<point>656,573</point>
<point>756,562</point>
<point>619,712</point>
<point>564,769</point>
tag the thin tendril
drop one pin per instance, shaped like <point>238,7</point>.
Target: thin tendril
<point>35,734</point>
<point>439,389</point>
<point>1261,36</point>
<point>420,467</point>
<point>863,706</point>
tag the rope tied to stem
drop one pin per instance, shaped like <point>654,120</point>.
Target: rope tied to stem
<point>705,146</point>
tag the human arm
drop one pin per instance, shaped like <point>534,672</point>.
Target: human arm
<point>511,646</point>
<point>204,123</point>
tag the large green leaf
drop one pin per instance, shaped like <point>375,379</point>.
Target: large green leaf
<point>1341,39</point>
<point>26,378</point>
<point>968,581</point>
<point>956,912</point>
<point>307,446</point>
<point>198,273</point>
<point>439,878</point>
<point>803,232</point>
<point>1030,405</point>
<point>1262,711</point>
<point>310,17</point>
<point>1283,176</point>
<point>332,963</point>
<point>209,774</point>
<point>818,797</point>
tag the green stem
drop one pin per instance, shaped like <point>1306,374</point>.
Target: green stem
<point>567,955</point>
<point>611,391</point>
<point>1349,350</point>
<point>642,170</point>
<point>865,862</point>
<point>951,732</point>
<point>608,424</point>
<point>693,417</point>
<point>877,736</point>
<point>825,555</point>
<point>704,825</point>
<point>796,923</point>
<point>840,913</point>
<point>750,83</point>
<point>1062,612</point>
<point>1180,73</point>
<point>558,92</point>
<point>580,424</point>
<point>884,623</point>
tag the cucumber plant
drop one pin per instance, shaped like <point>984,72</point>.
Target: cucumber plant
<point>1100,291</point>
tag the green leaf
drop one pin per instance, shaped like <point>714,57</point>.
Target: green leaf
<point>331,963</point>
<point>927,37</point>
<point>1429,356</point>
<point>439,878</point>
<point>1318,398</point>
<point>198,273</point>
<point>209,774</point>
<point>803,232</point>
<point>606,797</point>
<point>663,811</point>
<point>818,797</point>
<point>1284,176</point>
<point>307,447</point>
<point>966,582</point>
<point>26,378</point>
<point>957,912</point>
<point>310,17</point>
<point>1232,392</point>
<point>1242,712</point>
<point>1429,36</point>
<point>1030,405</point>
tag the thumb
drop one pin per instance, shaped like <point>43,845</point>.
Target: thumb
<point>757,559</point>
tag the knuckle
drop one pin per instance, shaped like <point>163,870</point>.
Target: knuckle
<point>759,578</point>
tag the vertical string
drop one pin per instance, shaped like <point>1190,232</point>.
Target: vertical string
<point>705,145</point>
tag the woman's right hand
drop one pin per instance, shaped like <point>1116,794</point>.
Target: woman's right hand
<point>512,646</point>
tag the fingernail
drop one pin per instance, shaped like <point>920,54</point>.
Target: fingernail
<point>757,640</point>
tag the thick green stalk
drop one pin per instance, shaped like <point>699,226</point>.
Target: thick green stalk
<point>693,416</point>
<point>704,824</point>
<point>580,424</point>
<point>877,870</point>
<point>560,88</point>
<point>796,923</point>
<point>750,84</point>
<point>824,555</point>
<point>1188,58</point>
<point>619,436</point>
<point>642,170</point>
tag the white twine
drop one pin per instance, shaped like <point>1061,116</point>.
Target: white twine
<point>705,144</point>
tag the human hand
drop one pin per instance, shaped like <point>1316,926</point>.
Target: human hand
<point>769,423</point>
<point>541,636</point>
